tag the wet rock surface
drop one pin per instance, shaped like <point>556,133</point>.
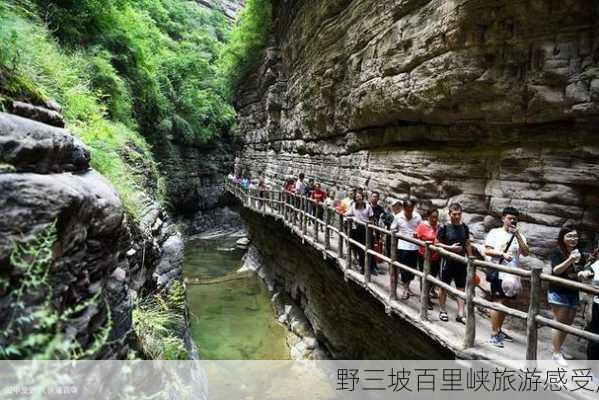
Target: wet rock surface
<point>301,338</point>
<point>485,103</point>
<point>98,249</point>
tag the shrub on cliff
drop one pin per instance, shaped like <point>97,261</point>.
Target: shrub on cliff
<point>246,41</point>
<point>158,324</point>
<point>32,326</point>
<point>33,67</point>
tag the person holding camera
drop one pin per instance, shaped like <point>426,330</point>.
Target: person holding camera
<point>504,245</point>
<point>566,263</point>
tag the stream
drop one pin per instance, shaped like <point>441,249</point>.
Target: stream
<point>232,316</point>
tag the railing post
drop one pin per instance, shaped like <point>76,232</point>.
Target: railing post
<point>279,199</point>
<point>470,320</point>
<point>424,286</point>
<point>304,216</point>
<point>315,207</point>
<point>348,224</point>
<point>393,268</point>
<point>367,258</point>
<point>533,310</point>
<point>340,236</point>
<point>327,222</point>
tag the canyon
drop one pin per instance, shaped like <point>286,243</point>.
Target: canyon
<point>486,103</point>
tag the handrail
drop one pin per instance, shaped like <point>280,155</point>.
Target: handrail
<point>295,210</point>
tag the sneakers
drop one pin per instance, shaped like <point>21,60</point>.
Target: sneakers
<point>505,337</point>
<point>558,358</point>
<point>460,319</point>
<point>496,341</point>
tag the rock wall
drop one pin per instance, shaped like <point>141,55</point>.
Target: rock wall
<point>346,319</point>
<point>194,175</point>
<point>488,103</point>
<point>46,178</point>
<point>229,7</point>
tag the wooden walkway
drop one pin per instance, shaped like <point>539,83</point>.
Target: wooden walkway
<point>466,342</point>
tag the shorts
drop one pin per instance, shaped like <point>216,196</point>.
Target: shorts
<point>563,299</point>
<point>453,271</point>
<point>497,290</point>
<point>435,265</point>
<point>409,258</point>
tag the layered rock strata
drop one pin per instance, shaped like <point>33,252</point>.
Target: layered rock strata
<point>98,250</point>
<point>488,103</point>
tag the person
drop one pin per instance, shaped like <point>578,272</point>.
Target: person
<point>377,209</point>
<point>504,245</point>
<point>262,188</point>
<point>310,187</point>
<point>245,183</point>
<point>591,271</point>
<point>348,200</point>
<point>386,220</point>
<point>405,224</point>
<point>318,195</point>
<point>362,212</point>
<point>395,209</point>
<point>300,185</point>
<point>454,237</point>
<point>427,231</point>
<point>566,262</point>
<point>330,198</point>
<point>289,185</point>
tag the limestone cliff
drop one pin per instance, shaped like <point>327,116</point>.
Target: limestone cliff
<point>47,179</point>
<point>488,103</point>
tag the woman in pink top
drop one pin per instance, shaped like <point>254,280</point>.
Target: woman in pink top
<point>427,231</point>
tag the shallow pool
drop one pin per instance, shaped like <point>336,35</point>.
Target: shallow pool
<point>232,317</point>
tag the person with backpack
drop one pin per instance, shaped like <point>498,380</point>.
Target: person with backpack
<point>504,245</point>
<point>454,237</point>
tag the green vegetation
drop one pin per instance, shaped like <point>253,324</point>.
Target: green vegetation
<point>129,71</point>
<point>35,327</point>
<point>248,38</point>
<point>158,322</point>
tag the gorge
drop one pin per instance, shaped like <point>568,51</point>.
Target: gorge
<point>485,103</point>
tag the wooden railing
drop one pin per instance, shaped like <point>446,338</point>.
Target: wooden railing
<point>296,210</point>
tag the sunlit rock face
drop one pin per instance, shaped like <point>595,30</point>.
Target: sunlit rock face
<point>229,7</point>
<point>489,103</point>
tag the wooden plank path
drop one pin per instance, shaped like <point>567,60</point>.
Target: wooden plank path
<point>329,235</point>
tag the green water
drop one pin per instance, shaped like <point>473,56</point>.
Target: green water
<point>232,318</point>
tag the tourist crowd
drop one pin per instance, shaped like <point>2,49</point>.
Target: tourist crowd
<point>504,245</point>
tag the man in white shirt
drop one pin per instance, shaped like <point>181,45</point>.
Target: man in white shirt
<point>300,185</point>
<point>405,223</point>
<point>504,245</point>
